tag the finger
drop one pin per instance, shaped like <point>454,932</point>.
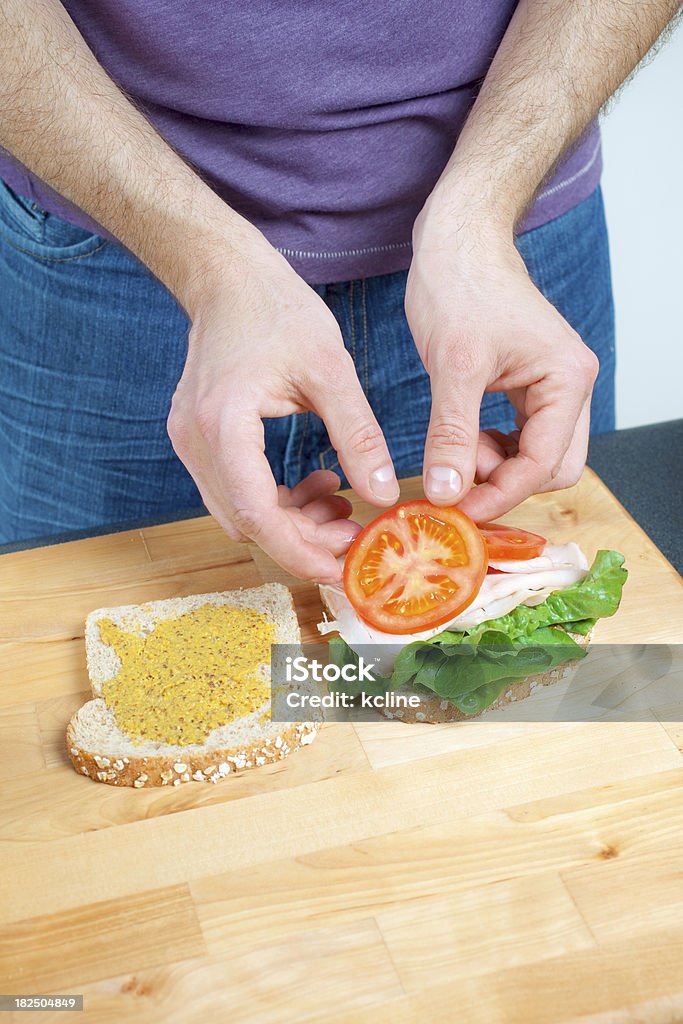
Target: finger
<point>575,459</point>
<point>210,491</point>
<point>329,509</point>
<point>316,485</point>
<point>250,498</point>
<point>338,399</point>
<point>215,506</point>
<point>507,443</point>
<point>334,536</point>
<point>197,460</point>
<point>543,443</point>
<point>490,454</point>
<point>496,437</point>
<point>453,434</point>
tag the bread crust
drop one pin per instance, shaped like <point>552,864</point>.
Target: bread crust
<point>207,766</point>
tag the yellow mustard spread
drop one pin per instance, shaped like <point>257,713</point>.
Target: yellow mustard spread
<point>191,674</point>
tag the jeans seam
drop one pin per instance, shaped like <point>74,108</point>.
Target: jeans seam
<point>52,259</point>
<point>352,321</point>
<point>304,432</point>
<point>322,455</point>
<point>366,375</point>
<point>330,446</point>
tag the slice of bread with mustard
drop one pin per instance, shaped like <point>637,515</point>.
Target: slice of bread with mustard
<point>181,689</point>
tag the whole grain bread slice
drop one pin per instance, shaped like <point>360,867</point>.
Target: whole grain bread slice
<point>99,749</point>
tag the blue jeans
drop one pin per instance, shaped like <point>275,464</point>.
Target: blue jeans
<point>92,346</point>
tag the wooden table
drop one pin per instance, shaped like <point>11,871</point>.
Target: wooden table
<point>516,872</point>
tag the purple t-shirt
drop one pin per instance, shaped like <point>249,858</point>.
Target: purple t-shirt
<point>326,124</point>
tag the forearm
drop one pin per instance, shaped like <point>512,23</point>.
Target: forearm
<point>556,66</point>
<point>68,122</point>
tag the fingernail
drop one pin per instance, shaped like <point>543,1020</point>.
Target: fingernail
<point>443,483</point>
<point>383,483</point>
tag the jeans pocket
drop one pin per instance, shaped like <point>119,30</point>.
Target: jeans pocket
<point>28,227</point>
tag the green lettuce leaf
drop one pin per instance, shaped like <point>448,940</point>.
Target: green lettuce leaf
<point>472,675</point>
<point>596,596</point>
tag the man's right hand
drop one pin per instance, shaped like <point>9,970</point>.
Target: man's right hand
<point>263,344</point>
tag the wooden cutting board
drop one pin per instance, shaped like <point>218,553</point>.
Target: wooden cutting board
<point>511,871</point>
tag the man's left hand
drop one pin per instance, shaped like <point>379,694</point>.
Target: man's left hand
<point>481,325</point>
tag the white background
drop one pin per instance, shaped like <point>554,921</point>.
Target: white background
<point>643,191</point>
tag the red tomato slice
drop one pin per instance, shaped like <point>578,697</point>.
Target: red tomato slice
<point>415,567</point>
<point>507,543</point>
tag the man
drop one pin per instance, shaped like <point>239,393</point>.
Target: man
<point>290,174</point>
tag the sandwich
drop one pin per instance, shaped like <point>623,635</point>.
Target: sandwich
<point>469,617</point>
<point>181,689</point>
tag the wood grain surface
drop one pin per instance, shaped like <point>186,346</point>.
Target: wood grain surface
<point>484,872</point>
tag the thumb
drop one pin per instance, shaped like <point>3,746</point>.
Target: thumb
<point>452,438</point>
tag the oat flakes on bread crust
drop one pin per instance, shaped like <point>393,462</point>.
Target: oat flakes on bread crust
<point>170,767</point>
<point>100,750</point>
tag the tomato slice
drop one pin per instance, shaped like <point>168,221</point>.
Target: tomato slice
<point>415,567</point>
<point>507,543</point>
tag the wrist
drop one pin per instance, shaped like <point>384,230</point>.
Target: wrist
<point>214,268</point>
<point>202,249</point>
<point>457,215</point>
